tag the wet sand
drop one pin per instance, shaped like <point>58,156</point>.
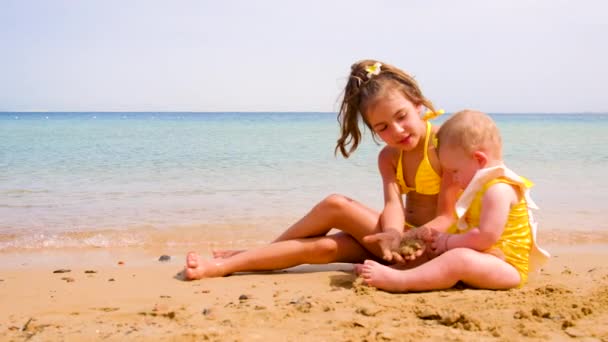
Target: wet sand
<point>130,295</point>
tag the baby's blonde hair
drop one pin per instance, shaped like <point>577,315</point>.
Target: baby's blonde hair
<point>472,131</point>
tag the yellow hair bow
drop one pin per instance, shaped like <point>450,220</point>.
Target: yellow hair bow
<point>430,115</point>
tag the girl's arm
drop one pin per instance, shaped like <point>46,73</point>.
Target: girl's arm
<point>496,204</point>
<point>446,202</point>
<point>429,232</point>
<point>392,217</point>
<point>448,193</point>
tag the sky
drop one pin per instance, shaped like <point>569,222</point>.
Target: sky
<point>497,56</point>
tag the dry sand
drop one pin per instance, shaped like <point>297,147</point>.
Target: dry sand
<point>144,299</point>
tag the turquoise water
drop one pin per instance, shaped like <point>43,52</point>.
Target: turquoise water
<point>96,178</point>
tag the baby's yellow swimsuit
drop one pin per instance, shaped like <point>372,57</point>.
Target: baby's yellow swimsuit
<point>517,242</point>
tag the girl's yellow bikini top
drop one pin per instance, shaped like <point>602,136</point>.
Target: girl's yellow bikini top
<point>426,181</point>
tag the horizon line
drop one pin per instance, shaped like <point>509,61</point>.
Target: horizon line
<point>258,112</point>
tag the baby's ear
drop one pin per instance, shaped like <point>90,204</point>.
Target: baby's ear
<point>481,158</point>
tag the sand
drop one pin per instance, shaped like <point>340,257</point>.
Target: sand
<point>119,295</point>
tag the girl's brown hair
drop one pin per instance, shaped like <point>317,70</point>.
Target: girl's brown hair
<point>361,91</point>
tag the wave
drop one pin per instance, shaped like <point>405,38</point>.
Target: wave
<point>208,235</point>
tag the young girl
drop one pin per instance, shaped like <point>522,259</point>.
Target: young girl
<point>495,248</point>
<point>391,104</point>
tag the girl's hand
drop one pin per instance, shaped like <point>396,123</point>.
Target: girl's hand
<point>389,244</point>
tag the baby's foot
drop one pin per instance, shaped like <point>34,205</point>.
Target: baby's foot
<point>358,268</point>
<point>197,269</point>
<point>382,277</point>
<point>226,253</point>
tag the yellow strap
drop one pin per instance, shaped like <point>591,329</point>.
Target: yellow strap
<point>430,115</point>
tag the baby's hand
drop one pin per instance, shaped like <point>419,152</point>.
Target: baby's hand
<point>440,242</point>
<point>410,249</point>
<point>422,233</point>
<point>414,243</point>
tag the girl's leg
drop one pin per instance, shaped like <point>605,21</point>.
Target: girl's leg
<point>474,268</point>
<point>335,211</point>
<point>283,254</point>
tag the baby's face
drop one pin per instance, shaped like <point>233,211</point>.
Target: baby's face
<point>458,164</point>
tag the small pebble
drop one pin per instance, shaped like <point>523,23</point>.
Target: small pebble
<point>68,279</point>
<point>111,279</point>
<point>90,271</point>
<point>121,262</point>
<point>62,270</point>
<point>243,297</point>
<point>27,324</point>
<point>164,258</point>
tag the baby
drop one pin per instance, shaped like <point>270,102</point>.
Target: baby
<point>494,247</point>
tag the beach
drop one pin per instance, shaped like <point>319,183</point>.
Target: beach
<point>128,294</point>
<point>135,133</point>
<point>89,202</point>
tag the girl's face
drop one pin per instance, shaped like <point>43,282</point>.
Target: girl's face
<point>456,163</point>
<point>396,120</point>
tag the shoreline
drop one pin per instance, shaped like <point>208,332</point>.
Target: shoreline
<point>146,256</point>
<point>205,237</point>
<point>145,299</point>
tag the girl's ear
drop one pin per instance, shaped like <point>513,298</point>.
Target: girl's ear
<point>420,109</point>
<point>481,158</point>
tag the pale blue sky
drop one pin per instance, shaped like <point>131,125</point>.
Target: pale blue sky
<point>279,55</point>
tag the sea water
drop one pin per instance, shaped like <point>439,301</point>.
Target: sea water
<point>122,179</point>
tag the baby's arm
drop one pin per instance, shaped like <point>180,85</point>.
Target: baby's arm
<point>495,207</point>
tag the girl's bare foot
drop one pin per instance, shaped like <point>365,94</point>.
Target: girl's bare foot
<point>226,253</point>
<point>197,269</point>
<point>382,277</point>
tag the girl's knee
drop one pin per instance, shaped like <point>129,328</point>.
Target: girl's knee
<point>325,250</point>
<point>335,202</point>
<point>338,248</point>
